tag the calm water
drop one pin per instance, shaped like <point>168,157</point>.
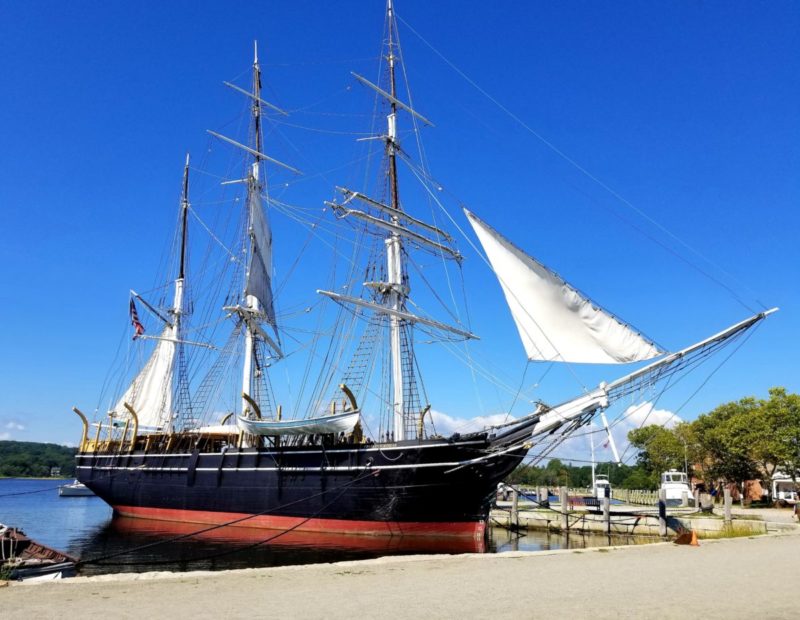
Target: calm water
<point>84,528</point>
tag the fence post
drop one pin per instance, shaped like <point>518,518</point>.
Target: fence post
<point>564,500</point>
<point>728,504</point>
<point>607,508</point>
<point>543,497</point>
<point>684,499</point>
<point>514,509</point>
<point>662,512</point>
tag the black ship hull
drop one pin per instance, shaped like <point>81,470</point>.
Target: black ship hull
<point>419,488</point>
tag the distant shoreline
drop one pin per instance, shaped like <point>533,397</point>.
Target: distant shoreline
<point>36,478</point>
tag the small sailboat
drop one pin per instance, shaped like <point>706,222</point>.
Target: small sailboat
<point>74,489</point>
<point>171,447</point>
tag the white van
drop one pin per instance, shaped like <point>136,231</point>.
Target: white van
<point>784,489</point>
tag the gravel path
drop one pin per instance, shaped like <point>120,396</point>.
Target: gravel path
<point>732,578</point>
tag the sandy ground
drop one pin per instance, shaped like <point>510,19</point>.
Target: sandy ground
<point>733,578</point>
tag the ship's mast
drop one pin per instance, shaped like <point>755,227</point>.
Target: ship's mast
<point>253,194</point>
<point>180,281</point>
<point>257,305</point>
<point>401,229</point>
<point>394,250</point>
<point>184,218</point>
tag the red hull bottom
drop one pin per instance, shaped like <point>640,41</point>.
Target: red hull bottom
<point>473,530</point>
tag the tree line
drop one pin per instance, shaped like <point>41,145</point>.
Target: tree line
<point>748,439</point>
<point>557,473</point>
<point>21,459</point>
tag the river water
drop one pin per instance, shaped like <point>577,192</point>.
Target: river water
<point>84,528</point>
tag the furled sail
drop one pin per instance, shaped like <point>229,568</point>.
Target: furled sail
<point>150,393</point>
<point>259,271</point>
<point>555,321</point>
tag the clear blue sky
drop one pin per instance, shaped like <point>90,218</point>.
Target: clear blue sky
<point>688,110</point>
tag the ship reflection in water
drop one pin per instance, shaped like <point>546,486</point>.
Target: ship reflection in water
<point>138,545</point>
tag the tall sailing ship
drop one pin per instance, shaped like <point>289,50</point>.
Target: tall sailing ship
<point>165,450</point>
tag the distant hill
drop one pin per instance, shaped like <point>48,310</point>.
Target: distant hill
<point>20,459</point>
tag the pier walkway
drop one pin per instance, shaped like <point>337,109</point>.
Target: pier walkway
<point>729,578</point>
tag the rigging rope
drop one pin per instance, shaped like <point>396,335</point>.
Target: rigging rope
<point>592,177</point>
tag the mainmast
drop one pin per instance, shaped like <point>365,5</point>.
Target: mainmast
<point>253,197</point>
<point>257,304</point>
<point>256,307</point>
<point>394,251</point>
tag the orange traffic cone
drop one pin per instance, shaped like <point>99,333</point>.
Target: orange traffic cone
<point>687,537</point>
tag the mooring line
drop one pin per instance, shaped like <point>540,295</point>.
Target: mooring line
<point>343,487</point>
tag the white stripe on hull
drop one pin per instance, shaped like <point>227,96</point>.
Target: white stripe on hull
<point>282,469</point>
<point>293,452</point>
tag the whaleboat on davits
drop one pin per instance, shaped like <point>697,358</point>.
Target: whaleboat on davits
<point>355,459</point>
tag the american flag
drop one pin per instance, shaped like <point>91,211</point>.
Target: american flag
<point>137,326</point>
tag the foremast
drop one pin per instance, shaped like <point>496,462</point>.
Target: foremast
<point>401,229</point>
<point>398,292</point>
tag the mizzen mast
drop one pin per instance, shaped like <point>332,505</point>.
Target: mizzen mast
<point>180,281</point>
<point>152,392</point>
<point>184,400</point>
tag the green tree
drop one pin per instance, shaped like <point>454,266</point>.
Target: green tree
<point>26,459</point>
<point>737,441</point>
<point>781,422</point>
<point>638,478</point>
<point>660,449</point>
<point>726,437</point>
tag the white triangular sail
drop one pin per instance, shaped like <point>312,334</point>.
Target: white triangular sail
<point>259,273</point>
<point>555,321</point>
<point>150,393</point>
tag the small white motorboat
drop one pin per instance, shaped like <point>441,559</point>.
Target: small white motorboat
<point>675,483</point>
<point>76,489</point>
<point>601,483</point>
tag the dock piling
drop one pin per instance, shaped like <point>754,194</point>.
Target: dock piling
<point>563,498</point>
<point>514,509</point>
<point>728,505</point>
